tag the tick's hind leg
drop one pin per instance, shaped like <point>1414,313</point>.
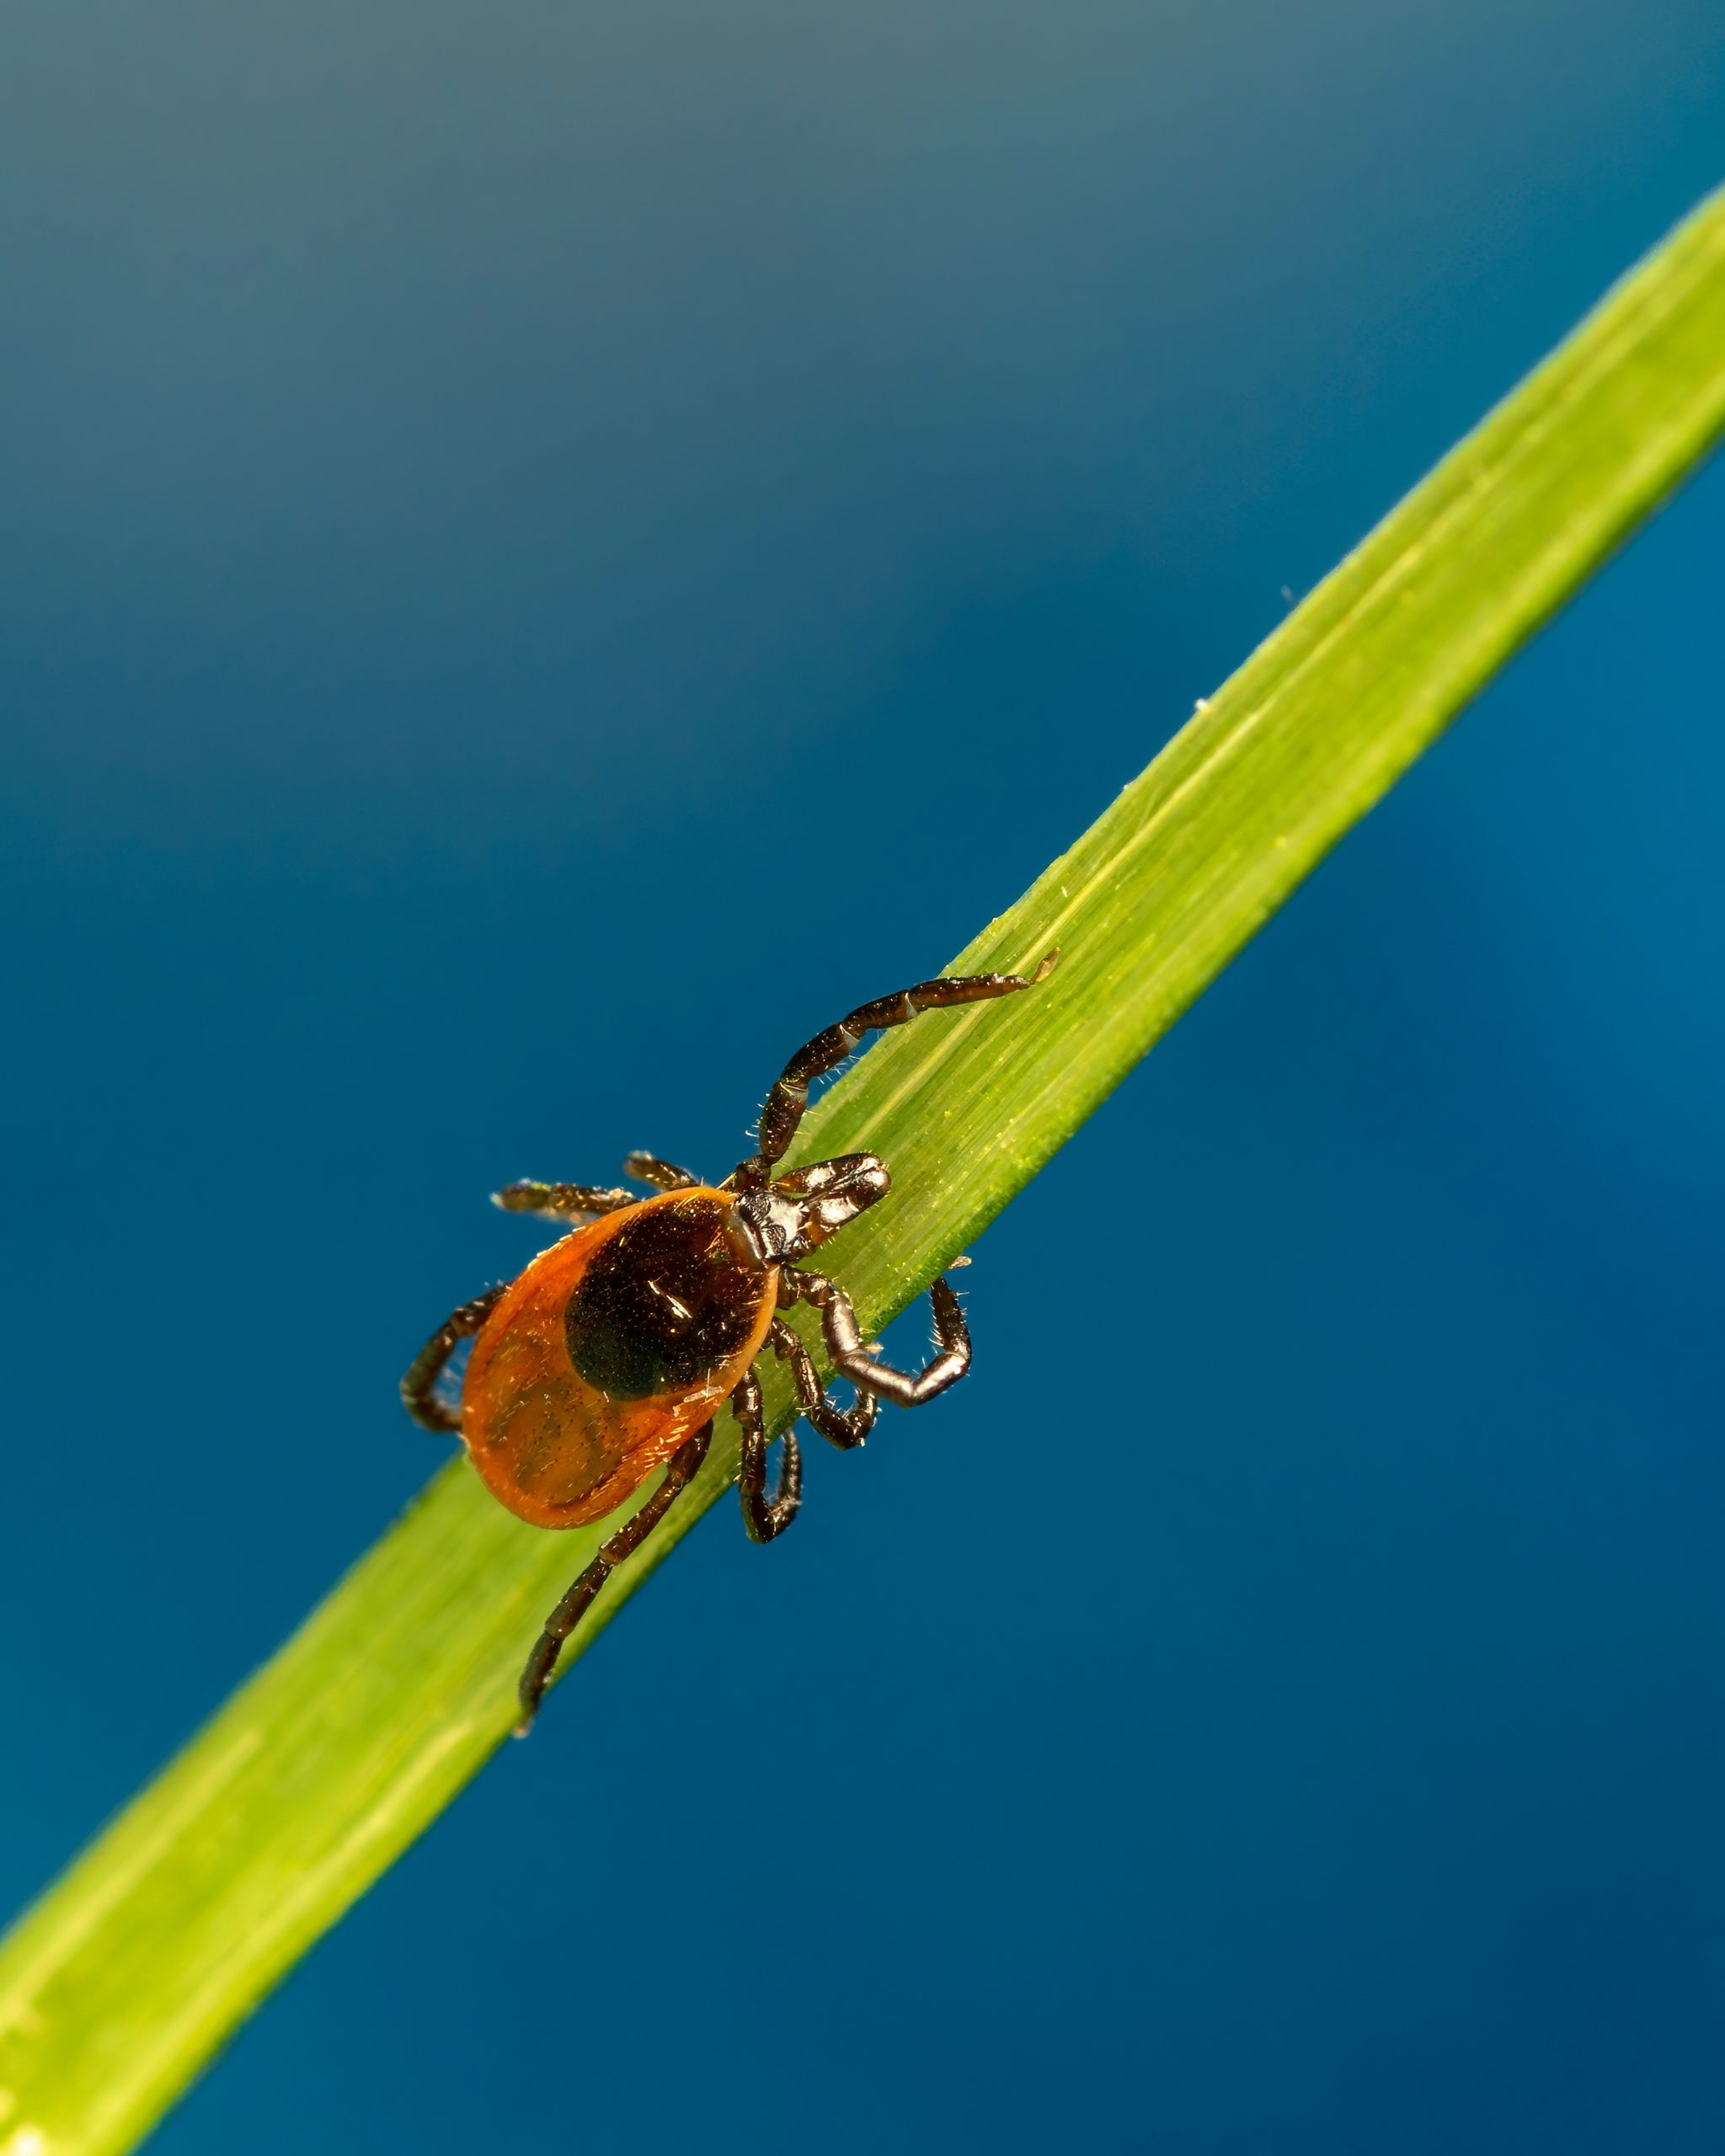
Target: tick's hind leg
<point>558,1201</point>
<point>418,1387</point>
<point>789,1096</point>
<point>843,1427</point>
<point>763,1516</point>
<point>852,1358</point>
<point>685,1463</point>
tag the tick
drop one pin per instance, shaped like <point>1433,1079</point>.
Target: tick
<point>609,1356</point>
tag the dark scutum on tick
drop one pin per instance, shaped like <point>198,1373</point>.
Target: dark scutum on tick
<point>663,1302</point>
<point>607,1359</point>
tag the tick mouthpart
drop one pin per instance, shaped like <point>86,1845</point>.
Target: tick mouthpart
<point>858,1178</point>
<point>802,1209</point>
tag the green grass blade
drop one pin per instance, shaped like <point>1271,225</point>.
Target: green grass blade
<point>119,1984</point>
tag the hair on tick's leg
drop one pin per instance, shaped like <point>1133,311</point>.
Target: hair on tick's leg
<point>684,1465</point>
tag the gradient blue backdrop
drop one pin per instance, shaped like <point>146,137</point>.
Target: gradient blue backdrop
<point>480,486</point>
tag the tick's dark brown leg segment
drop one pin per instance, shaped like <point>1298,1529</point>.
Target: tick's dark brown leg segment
<point>853,1359</point>
<point>843,1427</point>
<point>685,1463</point>
<point>648,1168</point>
<point>418,1394</point>
<point>789,1096</point>
<point>763,1516</point>
<point>556,1200</point>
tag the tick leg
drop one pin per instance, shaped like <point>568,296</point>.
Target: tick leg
<point>789,1096</point>
<point>843,1427</point>
<point>648,1168</point>
<point>556,1201</point>
<point>685,1463</point>
<point>763,1516</point>
<point>417,1393</point>
<point>864,1368</point>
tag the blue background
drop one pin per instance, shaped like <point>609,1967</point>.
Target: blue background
<point>486,491</point>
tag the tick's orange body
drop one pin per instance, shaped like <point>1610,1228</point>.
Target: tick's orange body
<point>608,1359</point>
<point>664,1322</point>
